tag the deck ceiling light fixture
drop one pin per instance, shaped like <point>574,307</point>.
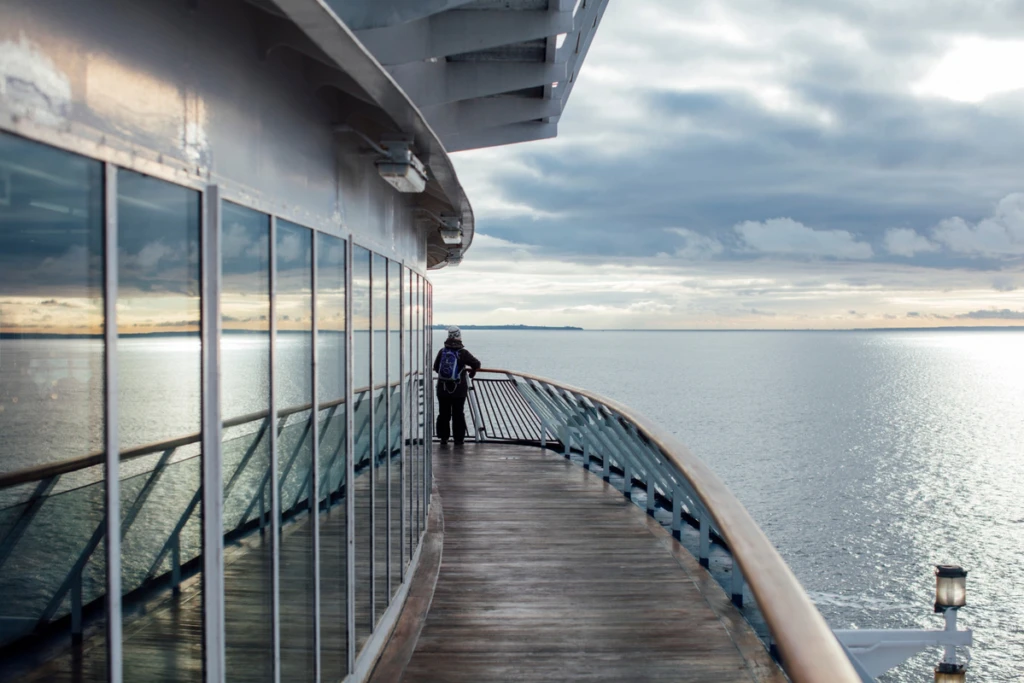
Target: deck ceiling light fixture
<point>451,230</point>
<point>455,256</point>
<point>401,168</point>
<point>950,587</point>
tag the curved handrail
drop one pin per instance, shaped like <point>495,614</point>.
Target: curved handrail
<point>40,472</point>
<point>811,653</point>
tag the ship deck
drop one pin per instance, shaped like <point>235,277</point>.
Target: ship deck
<point>537,570</point>
<point>532,569</point>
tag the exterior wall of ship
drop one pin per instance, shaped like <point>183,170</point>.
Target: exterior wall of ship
<point>214,357</point>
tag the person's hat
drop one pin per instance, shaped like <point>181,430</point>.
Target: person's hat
<point>454,332</point>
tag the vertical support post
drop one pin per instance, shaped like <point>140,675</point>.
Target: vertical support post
<point>736,583</point>
<point>704,551</point>
<point>677,513</point>
<point>176,563</point>
<point>949,651</point>
<point>651,492</point>
<point>275,493</point>
<point>213,473</point>
<point>606,462</point>
<point>586,456</point>
<point>111,439</point>
<point>350,490</point>
<point>314,483</point>
<point>566,441</point>
<point>76,607</point>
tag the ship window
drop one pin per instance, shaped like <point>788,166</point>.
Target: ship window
<point>51,392</point>
<point>158,361</point>
<point>331,325</point>
<point>362,397</point>
<point>293,374</point>
<point>245,408</point>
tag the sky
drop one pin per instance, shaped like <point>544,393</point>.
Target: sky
<point>764,164</point>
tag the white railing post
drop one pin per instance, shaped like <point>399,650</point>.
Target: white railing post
<point>736,583</point>
<point>705,539</point>
<point>677,513</point>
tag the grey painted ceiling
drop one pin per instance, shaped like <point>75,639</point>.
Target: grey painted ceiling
<point>483,72</point>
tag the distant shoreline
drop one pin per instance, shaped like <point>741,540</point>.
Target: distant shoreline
<point>512,327</point>
<point>529,328</point>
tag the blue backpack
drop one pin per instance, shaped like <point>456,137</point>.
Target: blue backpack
<point>448,369</point>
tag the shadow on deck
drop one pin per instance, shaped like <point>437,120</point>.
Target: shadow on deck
<point>544,572</point>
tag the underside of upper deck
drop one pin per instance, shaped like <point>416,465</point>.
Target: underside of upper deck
<point>543,571</point>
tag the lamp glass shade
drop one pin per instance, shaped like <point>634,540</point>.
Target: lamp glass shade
<point>403,177</point>
<point>451,235</point>
<point>950,587</point>
<point>950,673</point>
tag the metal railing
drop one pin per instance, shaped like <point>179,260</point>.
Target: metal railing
<point>50,565</point>
<point>629,451</point>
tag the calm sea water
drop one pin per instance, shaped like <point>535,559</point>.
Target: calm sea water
<point>866,457</point>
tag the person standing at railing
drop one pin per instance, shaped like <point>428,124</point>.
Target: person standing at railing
<point>452,364</point>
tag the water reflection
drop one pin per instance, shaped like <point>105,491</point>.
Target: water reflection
<point>159,374</point>
<point>363,426</point>
<point>245,373</point>
<point>394,447</point>
<point>330,253</point>
<point>294,377</point>
<point>51,389</point>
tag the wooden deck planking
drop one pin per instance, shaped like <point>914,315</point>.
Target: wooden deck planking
<point>549,574</point>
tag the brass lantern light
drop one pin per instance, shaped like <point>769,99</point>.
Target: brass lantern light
<point>950,673</point>
<point>950,587</point>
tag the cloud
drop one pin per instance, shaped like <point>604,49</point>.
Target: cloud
<point>779,143</point>
<point>1000,234</point>
<point>1004,283</point>
<point>993,314</point>
<point>906,242</point>
<point>788,237</point>
<point>696,246</point>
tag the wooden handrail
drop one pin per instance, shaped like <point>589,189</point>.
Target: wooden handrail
<point>810,652</point>
<point>41,472</point>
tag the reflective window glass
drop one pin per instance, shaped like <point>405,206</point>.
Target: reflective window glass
<point>52,567</point>
<point>381,406</point>
<point>245,408</point>
<point>362,399</point>
<point>330,312</point>
<point>395,419</point>
<point>159,374</point>
<point>410,412</point>
<point>293,375</point>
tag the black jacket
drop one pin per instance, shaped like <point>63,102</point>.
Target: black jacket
<point>469,363</point>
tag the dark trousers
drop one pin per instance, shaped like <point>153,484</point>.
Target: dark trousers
<point>451,411</point>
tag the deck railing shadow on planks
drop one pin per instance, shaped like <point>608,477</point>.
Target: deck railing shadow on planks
<point>630,451</point>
